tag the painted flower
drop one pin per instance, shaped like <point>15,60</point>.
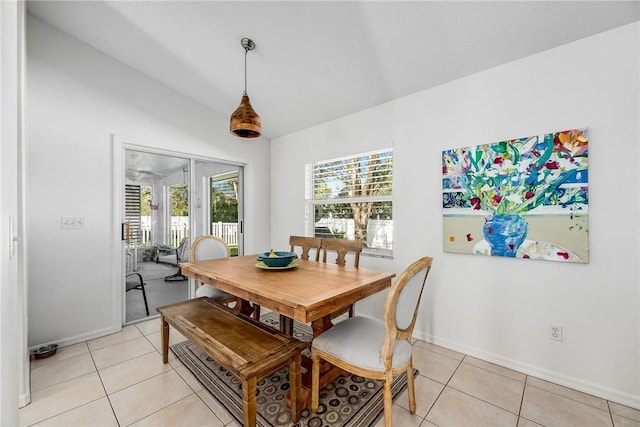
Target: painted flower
<point>515,176</point>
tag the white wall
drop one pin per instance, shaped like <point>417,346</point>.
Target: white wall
<point>499,309</point>
<point>77,97</point>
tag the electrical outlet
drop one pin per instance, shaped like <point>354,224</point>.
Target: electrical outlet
<point>555,332</point>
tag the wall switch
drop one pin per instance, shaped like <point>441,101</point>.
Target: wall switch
<point>555,332</point>
<point>72,222</point>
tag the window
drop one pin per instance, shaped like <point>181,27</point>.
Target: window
<point>133,208</point>
<point>351,198</point>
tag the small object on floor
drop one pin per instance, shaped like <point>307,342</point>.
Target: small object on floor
<point>45,351</point>
<point>175,278</point>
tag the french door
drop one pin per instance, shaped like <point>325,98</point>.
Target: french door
<point>170,198</point>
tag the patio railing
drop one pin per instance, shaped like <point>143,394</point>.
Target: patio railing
<point>227,231</point>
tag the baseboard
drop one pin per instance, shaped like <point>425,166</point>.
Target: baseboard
<point>594,389</point>
<point>23,400</point>
<point>80,338</point>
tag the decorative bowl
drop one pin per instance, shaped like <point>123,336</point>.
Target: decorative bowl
<point>277,259</point>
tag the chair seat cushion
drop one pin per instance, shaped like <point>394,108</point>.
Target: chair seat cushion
<point>358,341</point>
<point>212,292</point>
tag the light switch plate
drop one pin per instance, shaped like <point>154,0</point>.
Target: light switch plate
<point>72,222</point>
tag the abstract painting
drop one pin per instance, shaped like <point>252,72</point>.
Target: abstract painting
<point>522,198</point>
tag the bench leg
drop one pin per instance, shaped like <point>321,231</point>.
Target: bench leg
<point>164,330</point>
<point>249,405</point>
<point>295,392</point>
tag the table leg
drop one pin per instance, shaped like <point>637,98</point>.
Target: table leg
<point>321,325</point>
<point>164,331</point>
<point>295,380</point>
<point>244,307</point>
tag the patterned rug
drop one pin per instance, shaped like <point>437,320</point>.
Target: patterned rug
<point>349,401</point>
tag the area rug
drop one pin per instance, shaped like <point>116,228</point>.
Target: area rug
<point>349,401</point>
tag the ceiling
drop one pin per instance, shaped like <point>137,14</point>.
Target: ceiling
<point>316,61</point>
<point>143,167</point>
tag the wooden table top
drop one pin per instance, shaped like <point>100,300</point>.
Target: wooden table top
<point>308,292</point>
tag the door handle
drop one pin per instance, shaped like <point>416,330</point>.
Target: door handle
<point>13,238</point>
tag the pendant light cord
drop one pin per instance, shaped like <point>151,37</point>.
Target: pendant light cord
<point>245,70</point>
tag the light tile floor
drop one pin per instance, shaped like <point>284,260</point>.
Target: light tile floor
<point>120,380</point>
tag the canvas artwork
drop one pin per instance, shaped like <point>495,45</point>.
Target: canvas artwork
<point>523,198</point>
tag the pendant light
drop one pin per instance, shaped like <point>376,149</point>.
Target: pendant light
<point>245,122</point>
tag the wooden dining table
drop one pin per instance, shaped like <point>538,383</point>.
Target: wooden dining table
<point>309,292</point>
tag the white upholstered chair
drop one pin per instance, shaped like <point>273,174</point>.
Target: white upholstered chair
<point>210,247</point>
<point>376,349</point>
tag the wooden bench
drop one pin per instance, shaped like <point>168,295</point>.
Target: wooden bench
<point>247,348</point>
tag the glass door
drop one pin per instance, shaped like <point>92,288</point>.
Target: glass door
<point>218,202</point>
<point>156,231</point>
<point>169,200</point>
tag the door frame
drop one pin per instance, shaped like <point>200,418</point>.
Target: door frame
<point>15,388</point>
<point>119,261</point>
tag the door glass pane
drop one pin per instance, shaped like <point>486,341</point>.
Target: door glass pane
<point>218,202</point>
<point>224,209</point>
<point>157,220</point>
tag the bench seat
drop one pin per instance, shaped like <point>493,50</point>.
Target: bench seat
<point>247,348</point>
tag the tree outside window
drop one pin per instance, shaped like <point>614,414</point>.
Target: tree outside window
<point>224,199</point>
<point>352,198</point>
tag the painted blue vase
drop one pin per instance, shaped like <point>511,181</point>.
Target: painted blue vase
<point>505,234</point>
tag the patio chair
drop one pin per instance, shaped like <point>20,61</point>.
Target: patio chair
<point>180,254</point>
<point>376,349</point>
<point>134,282</point>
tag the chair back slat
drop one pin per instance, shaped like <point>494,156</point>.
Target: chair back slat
<point>342,247</point>
<point>306,244</point>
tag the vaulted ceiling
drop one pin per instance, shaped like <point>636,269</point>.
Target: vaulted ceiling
<point>316,61</point>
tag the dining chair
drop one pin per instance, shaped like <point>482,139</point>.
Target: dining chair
<point>373,348</point>
<point>211,247</point>
<point>342,247</point>
<point>305,245</point>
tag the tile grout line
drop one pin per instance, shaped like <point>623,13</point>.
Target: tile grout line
<point>86,403</point>
<point>155,350</point>
<point>443,388</point>
<point>494,372</point>
<point>207,406</point>
<point>524,390</point>
<point>575,400</point>
<point>103,386</point>
<point>478,398</point>
<point>613,423</point>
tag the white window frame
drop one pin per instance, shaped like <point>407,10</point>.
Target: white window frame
<point>377,247</point>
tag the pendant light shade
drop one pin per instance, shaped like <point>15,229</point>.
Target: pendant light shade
<point>245,122</point>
